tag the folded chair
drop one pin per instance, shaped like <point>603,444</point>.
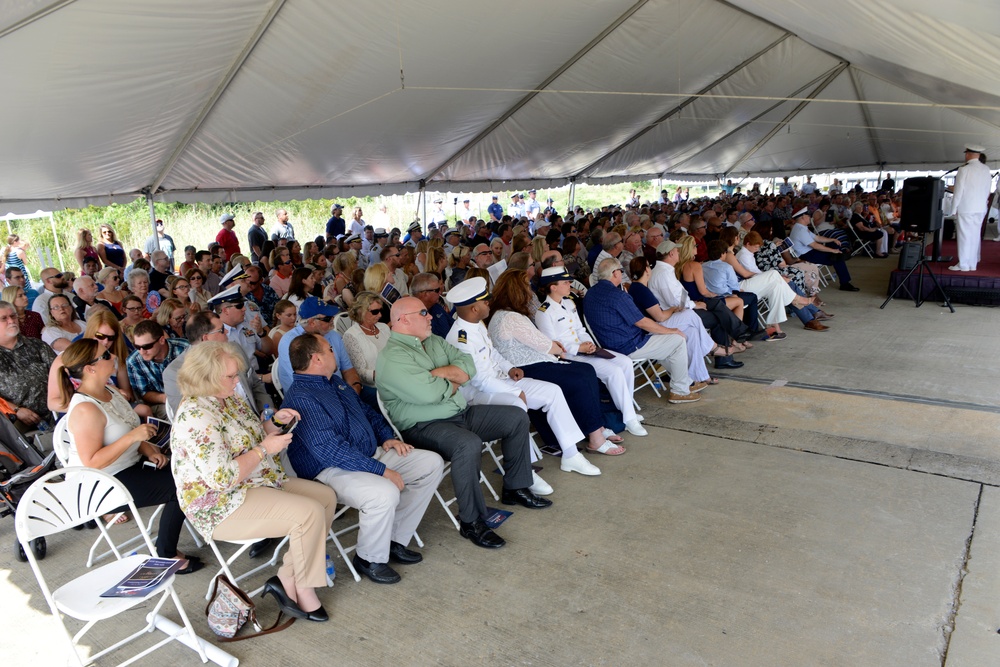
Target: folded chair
<point>62,499</point>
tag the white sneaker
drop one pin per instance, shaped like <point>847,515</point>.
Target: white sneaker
<point>539,486</point>
<point>635,428</point>
<point>580,464</point>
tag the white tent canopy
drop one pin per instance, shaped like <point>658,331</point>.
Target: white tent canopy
<point>234,100</point>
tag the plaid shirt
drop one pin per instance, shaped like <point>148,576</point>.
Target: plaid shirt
<point>24,374</point>
<point>337,430</point>
<point>266,304</point>
<point>148,375</point>
<point>611,315</point>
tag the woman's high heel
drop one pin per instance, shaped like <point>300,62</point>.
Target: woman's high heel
<point>287,605</point>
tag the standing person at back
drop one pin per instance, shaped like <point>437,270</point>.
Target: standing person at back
<point>282,229</point>
<point>257,237</point>
<point>227,237</point>
<point>166,241</point>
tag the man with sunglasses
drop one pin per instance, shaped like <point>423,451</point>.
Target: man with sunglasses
<point>431,413</point>
<point>316,317</point>
<point>390,255</point>
<point>24,372</point>
<point>231,308</point>
<point>54,283</point>
<point>153,353</point>
<point>427,288</point>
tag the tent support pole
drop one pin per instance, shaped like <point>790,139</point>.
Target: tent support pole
<point>152,218</point>
<point>52,221</point>
<point>572,193</point>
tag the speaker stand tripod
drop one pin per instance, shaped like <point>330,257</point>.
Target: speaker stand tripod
<point>918,298</point>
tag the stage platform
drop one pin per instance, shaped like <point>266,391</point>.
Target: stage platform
<point>980,287</point>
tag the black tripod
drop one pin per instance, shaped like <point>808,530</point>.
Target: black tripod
<point>918,298</point>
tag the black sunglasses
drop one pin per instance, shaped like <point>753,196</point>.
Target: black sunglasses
<point>100,336</point>
<point>147,346</point>
<point>103,357</point>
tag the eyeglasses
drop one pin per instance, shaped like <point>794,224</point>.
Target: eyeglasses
<point>436,290</point>
<point>103,357</point>
<point>134,309</point>
<point>183,287</point>
<point>197,279</point>
<point>422,313</point>
<point>324,318</point>
<point>54,276</point>
<point>391,256</point>
<point>220,330</point>
<point>485,252</point>
<point>111,337</point>
<point>147,346</point>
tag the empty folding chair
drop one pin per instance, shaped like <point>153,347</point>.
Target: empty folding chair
<point>51,506</point>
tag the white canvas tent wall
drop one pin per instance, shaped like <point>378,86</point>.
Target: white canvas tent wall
<point>284,99</point>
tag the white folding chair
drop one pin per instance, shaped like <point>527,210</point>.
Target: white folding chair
<point>276,380</point>
<point>341,322</point>
<point>763,310</point>
<point>49,507</point>
<point>446,504</point>
<point>861,245</point>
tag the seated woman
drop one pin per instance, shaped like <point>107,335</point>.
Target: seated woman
<point>869,230</point>
<point>106,434</point>
<point>301,286</point>
<point>171,315</point>
<point>541,358</point>
<point>29,321</point>
<point>282,275</point>
<point>102,327</point>
<point>134,311</point>
<point>110,279</point>
<point>179,288</point>
<point>343,287</point>
<point>558,319</point>
<point>198,294</point>
<point>805,275</point>
<point>231,485</point>
<point>458,264</point>
<point>62,327</point>
<point>699,341</point>
<point>377,276</point>
<point>365,339</point>
<point>138,284</point>
<point>691,276</point>
<point>285,317</point>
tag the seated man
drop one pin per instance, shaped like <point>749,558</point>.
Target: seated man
<point>347,445</point>
<point>418,376</point>
<point>24,373</point>
<point>498,382</point>
<point>85,297</point>
<point>813,248</point>
<point>618,325</point>
<point>153,353</point>
<point>316,316</point>
<point>427,288</point>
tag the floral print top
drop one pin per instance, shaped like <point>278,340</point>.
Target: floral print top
<point>207,436</point>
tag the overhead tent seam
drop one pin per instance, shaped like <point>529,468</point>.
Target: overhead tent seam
<point>530,94</point>
<point>763,113</point>
<point>791,115</point>
<point>872,137</point>
<point>31,18</point>
<point>680,107</point>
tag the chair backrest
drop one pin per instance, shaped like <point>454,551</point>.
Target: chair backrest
<point>83,494</point>
<point>342,322</point>
<point>60,440</point>
<point>276,380</point>
<point>385,413</point>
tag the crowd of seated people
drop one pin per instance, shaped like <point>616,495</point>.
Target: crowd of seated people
<point>469,334</point>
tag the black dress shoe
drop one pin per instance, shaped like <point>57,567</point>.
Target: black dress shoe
<point>727,362</point>
<point>317,615</point>
<point>848,287</point>
<point>480,534</point>
<point>380,573</point>
<point>258,549</point>
<point>285,603</point>
<point>524,498</point>
<point>400,554</point>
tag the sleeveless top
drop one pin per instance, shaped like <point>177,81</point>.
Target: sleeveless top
<point>90,252</point>
<point>692,290</point>
<point>121,419</point>
<point>115,254</point>
<point>16,262</point>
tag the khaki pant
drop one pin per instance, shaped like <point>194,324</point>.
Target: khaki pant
<point>301,509</point>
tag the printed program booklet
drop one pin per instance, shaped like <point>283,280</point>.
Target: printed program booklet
<point>144,579</point>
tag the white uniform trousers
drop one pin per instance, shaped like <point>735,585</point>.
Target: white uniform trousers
<point>543,396</point>
<point>699,342</point>
<point>771,286</point>
<point>671,351</point>
<point>617,375</point>
<point>968,227</point>
<point>384,512</point>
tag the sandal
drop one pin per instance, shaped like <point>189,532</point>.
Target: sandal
<point>608,449</point>
<point>710,381</point>
<point>611,436</point>
<point>123,517</point>
<point>194,564</point>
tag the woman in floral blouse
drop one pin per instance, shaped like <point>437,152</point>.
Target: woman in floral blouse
<point>230,484</point>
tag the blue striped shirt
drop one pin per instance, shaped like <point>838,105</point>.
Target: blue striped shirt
<point>337,429</point>
<point>611,315</point>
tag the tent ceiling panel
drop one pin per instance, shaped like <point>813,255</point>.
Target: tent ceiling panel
<point>708,119</point>
<point>98,108</point>
<point>656,41</point>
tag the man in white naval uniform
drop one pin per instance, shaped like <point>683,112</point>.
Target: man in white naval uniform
<point>558,319</point>
<point>972,189</point>
<point>498,382</point>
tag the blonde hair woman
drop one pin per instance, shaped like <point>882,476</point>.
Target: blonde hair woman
<point>231,485</point>
<point>171,315</point>
<point>85,248</point>
<point>62,326</point>
<point>365,339</point>
<point>110,251</point>
<point>691,276</point>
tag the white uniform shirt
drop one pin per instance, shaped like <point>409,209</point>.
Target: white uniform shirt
<point>972,187</point>
<point>491,368</point>
<point>561,322</point>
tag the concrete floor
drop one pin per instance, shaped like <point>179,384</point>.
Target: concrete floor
<point>832,503</point>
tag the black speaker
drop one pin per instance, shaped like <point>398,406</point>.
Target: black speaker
<point>921,210</point>
<point>909,255</point>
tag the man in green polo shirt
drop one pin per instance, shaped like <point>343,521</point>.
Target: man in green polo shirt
<point>418,376</point>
